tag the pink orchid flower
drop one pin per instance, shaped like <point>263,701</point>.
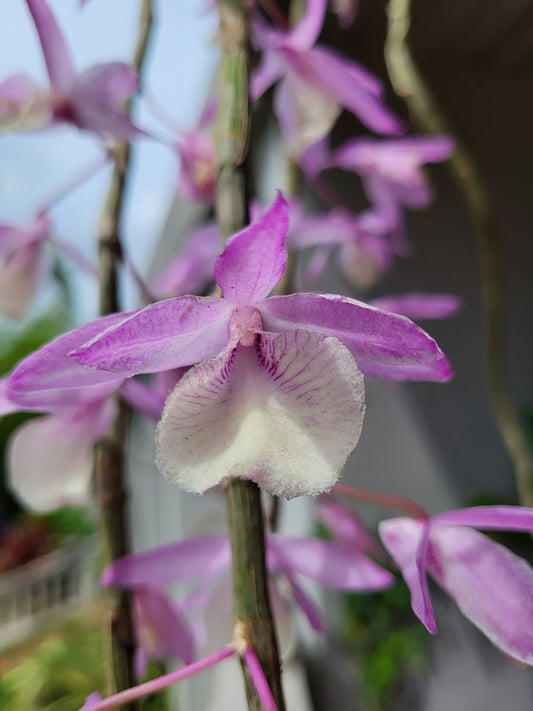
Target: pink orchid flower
<point>207,558</point>
<point>316,83</point>
<point>420,306</point>
<point>50,457</point>
<point>492,586</point>
<point>91,101</point>
<point>24,265</point>
<point>277,395</point>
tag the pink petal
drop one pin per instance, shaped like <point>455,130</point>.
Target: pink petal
<point>48,379</point>
<point>365,261</point>
<point>346,10</point>
<point>383,344</point>
<point>162,336</point>
<point>254,260</point>
<point>51,458</point>
<point>269,70</point>
<point>502,518</point>
<point>7,406</point>
<point>97,98</point>
<point>162,630</point>
<point>308,29</point>
<point>197,174</point>
<point>285,413</point>
<point>55,50</point>
<point>328,563</point>
<point>354,89</point>
<point>492,586</point>
<point>193,268</point>
<point>346,528</point>
<point>402,537</point>
<point>420,306</point>
<point>92,702</point>
<point>14,237</point>
<point>200,557</point>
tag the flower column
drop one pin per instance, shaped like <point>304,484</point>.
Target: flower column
<point>253,616</point>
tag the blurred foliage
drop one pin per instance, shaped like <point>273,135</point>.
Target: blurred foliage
<point>386,642</point>
<point>58,671</point>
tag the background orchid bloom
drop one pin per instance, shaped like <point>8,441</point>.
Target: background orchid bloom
<point>206,558</point>
<point>492,586</point>
<point>419,306</point>
<point>80,409</point>
<point>91,101</point>
<point>316,83</point>
<point>277,395</point>
<point>24,265</point>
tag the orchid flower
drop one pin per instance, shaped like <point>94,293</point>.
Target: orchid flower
<point>392,172</point>
<point>316,83</point>
<point>23,265</point>
<point>277,395</point>
<point>197,172</point>
<point>420,306</point>
<point>347,529</point>
<point>91,101</point>
<point>492,586</point>
<point>208,557</point>
<point>80,410</point>
<point>346,10</point>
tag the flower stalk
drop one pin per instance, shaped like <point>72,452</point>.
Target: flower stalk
<point>253,616</point>
<point>109,466</point>
<point>410,85</point>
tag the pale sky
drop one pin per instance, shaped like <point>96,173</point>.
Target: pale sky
<point>179,72</point>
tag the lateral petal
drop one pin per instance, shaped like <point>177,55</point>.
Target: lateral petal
<point>383,344</point>
<point>162,336</point>
<point>55,51</point>
<point>492,586</point>
<point>329,563</point>
<point>50,458</point>
<point>286,414</point>
<point>200,557</point>
<point>254,260</point>
<point>402,537</point>
<point>48,379</point>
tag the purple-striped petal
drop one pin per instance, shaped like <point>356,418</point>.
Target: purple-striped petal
<point>254,259</point>
<point>404,538</point>
<point>48,379</point>
<point>383,344</point>
<point>200,557</point>
<point>285,413</point>
<point>420,306</point>
<point>492,587</point>
<point>328,563</point>
<point>55,51</point>
<point>161,628</point>
<point>50,458</point>
<point>162,336</point>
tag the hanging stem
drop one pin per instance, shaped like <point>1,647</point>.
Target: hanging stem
<point>109,468</point>
<point>254,625</point>
<point>409,84</point>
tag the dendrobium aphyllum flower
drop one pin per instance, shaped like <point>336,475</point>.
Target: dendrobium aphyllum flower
<point>205,559</point>
<point>91,101</point>
<point>492,586</point>
<point>24,265</point>
<point>277,395</point>
<point>50,457</point>
<point>316,83</point>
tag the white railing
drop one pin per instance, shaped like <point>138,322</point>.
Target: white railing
<point>46,590</point>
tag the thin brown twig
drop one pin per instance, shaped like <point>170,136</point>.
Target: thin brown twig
<point>109,468</point>
<point>409,84</point>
